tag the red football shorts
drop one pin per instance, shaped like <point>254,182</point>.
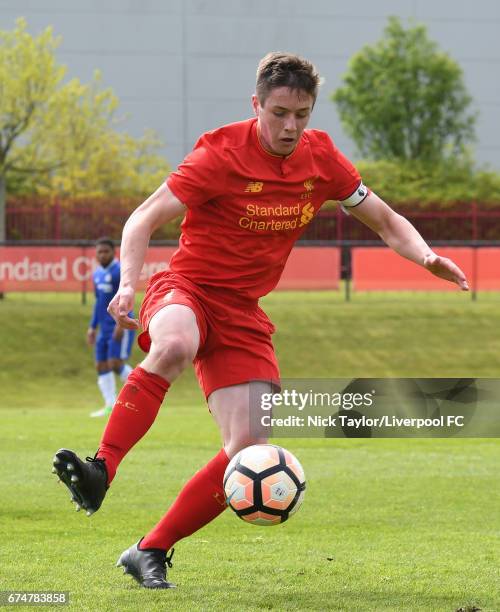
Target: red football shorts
<point>235,336</point>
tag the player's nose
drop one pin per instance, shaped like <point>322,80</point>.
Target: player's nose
<point>290,124</point>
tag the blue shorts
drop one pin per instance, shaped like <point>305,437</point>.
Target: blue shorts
<point>107,348</point>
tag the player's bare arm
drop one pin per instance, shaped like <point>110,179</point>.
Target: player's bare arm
<point>118,333</point>
<point>400,235</point>
<point>91,335</point>
<point>161,207</point>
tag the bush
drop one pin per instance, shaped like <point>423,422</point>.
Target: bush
<point>403,98</point>
<point>439,185</point>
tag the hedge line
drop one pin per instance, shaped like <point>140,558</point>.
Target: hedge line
<point>438,186</point>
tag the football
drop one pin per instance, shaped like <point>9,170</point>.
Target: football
<point>264,484</point>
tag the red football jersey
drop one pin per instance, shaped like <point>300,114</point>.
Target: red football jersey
<point>247,207</point>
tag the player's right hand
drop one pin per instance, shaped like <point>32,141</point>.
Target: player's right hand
<point>121,305</point>
<point>447,269</point>
<point>91,334</point>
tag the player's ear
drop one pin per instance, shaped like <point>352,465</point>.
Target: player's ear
<point>255,105</point>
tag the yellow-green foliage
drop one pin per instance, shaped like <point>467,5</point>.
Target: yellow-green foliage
<point>60,136</point>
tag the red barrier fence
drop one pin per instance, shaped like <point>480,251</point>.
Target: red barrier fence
<point>312,268</point>
<point>488,269</point>
<point>378,269</point>
<point>36,218</point>
<point>37,268</point>
<point>54,268</point>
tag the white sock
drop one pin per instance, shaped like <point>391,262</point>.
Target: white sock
<point>125,372</point>
<point>106,383</point>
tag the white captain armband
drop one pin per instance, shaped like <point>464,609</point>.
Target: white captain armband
<point>356,197</point>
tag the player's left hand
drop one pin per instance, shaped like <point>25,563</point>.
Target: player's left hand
<point>447,269</point>
<point>91,335</point>
<point>118,333</point>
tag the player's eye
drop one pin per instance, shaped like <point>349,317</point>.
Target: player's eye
<point>279,113</point>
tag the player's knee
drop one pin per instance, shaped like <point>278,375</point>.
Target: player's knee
<point>173,351</point>
<point>116,365</point>
<point>102,367</point>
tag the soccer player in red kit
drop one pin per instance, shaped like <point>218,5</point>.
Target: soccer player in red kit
<point>247,191</point>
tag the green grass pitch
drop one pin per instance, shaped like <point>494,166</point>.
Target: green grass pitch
<point>404,525</point>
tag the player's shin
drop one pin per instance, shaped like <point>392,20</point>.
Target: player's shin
<point>200,501</point>
<point>125,371</point>
<point>133,414</point>
<point>106,384</point>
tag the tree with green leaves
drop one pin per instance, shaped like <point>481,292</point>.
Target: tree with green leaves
<point>404,99</point>
<point>61,137</point>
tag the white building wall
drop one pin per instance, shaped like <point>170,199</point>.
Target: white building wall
<point>183,68</point>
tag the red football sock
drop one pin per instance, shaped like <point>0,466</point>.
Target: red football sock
<point>201,500</point>
<point>133,414</point>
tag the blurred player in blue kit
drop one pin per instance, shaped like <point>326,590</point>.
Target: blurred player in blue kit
<point>112,343</point>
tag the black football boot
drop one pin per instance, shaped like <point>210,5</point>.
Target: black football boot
<point>86,480</point>
<point>148,567</point>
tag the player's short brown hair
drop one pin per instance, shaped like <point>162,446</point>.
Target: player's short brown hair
<point>281,69</point>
